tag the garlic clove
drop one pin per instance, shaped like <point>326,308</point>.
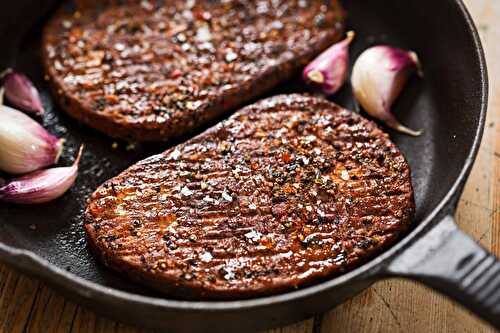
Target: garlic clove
<point>329,71</point>
<point>20,91</point>
<point>41,186</point>
<point>25,146</point>
<point>378,77</point>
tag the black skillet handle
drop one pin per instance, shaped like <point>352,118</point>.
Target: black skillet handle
<point>452,263</point>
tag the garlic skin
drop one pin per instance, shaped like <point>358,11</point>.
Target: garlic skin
<point>41,186</point>
<point>20,91</point>
<point>329,71</point>
<point>378,77</point>
<point>25,146</point>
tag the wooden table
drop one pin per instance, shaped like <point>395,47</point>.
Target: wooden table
<point>388,306</point>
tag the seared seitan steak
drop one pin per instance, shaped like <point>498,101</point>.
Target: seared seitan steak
<point>156,70</point>
<point>286,192</point>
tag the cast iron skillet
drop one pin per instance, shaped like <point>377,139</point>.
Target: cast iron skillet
<point>47,241</point>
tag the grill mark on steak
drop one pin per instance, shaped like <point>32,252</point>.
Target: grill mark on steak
<point>156,70</point>
<point>286,192</point>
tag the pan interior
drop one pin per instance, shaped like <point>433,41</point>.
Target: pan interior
<point>445,103</point>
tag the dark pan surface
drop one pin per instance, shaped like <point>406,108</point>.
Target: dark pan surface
<point>444,104</point>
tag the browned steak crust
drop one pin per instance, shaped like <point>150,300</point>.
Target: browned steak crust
<point>287,192</point>
<point>155,70</point>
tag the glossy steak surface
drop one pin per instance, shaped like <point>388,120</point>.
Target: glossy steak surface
<point>286,192</point>
<point>157,70</point>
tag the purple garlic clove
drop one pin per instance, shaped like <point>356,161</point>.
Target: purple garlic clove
<point>25,146</point>
<point>378,77</point>
<point>21,93</point>
<point>41,186</point>
<point>329,71</point>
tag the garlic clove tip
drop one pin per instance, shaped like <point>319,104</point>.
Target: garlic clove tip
<point>413,55</point>
<point>350,36</point>
<point>59,149</point>
<point>5,72</point>
<point>79,156</point>
<point>405,130</point>
<point>316,76</point>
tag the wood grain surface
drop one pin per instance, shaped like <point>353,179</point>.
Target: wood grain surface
<point>389,306</point>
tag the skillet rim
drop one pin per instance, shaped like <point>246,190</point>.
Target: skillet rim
<point>31,263</point>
